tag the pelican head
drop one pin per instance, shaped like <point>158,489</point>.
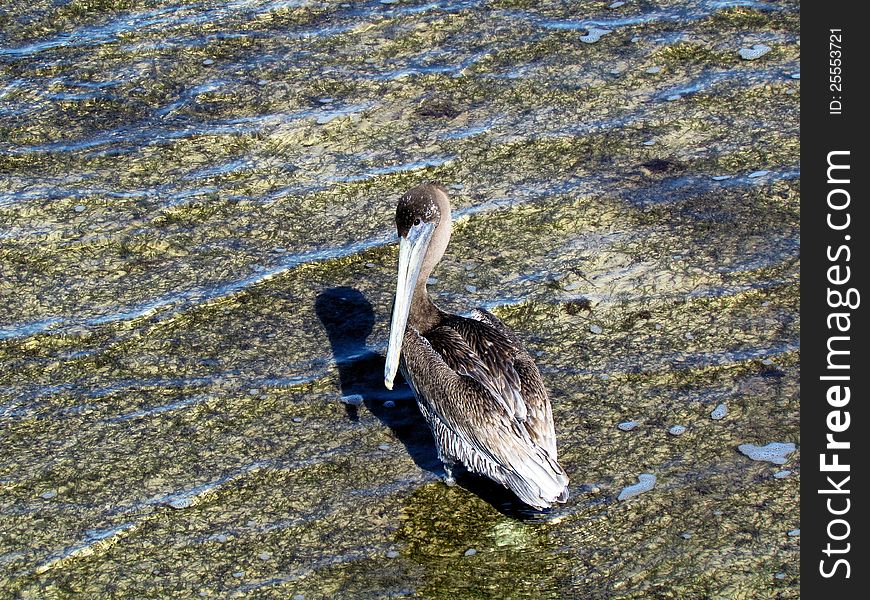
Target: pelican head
<point>423,221</point>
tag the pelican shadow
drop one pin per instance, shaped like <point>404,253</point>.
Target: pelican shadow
<point>348,318</point>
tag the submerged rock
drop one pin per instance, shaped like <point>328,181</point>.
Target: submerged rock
<point>677,430</point>
<point>757,51</point>
<point>646,482</point>
<point>719,412</point>
<point>774,452</point>
<point>594,35</point>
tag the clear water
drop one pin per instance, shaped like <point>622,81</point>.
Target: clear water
<point>197,257</point>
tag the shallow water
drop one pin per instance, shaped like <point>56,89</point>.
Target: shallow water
<point>197,256</point>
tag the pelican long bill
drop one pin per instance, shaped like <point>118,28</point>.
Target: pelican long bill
<point>412,251</point>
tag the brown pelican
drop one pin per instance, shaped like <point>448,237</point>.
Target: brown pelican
<point>476,385</point>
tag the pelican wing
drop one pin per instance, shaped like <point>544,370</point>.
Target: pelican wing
<point>539,413</point>
<point>472,422</point>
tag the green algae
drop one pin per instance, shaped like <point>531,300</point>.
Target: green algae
<point>196,264</point>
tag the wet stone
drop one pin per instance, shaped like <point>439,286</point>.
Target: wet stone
<point>774,452</point>
<point>389,404</point>
<point>180,503</point>
<point>782,474</point>
<point>677,430</point>
<point>653,70</point>
<point>470,288</point>
<point>756,174</point>
<point>392,554</point>
<point>754,53</point>
<point>594,35</point>
<point>470,552</point>
<point>353,399</point>
<point>794,533</point>
<point>79,208</point>
<point>719,412</point>
<point>628,425</point>
<point>383,447</point>
<point>646,482</point>
<point>264,555</point>
<point>48,495</point>
<point>595,328</point>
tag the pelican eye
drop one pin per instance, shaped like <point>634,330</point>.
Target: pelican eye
<point>416,221</point>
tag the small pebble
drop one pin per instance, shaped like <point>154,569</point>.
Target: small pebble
<point>677,430</point>
<point>757,51</point>
<point>48,495</point>
<point>220,538</point>
<point>299,597</point>
<point>383,447</point>
<point>370,265</point>
<point>353,400</point>
<point>279,249</point>
<point>774,452</point>
<point>653,70</point>
<point>718,513</point>
<point>782,474</point>
<point>180,503</point>
<point>432,281</point>
<point>470,288</point>
<point>208,61</point>
<point>635,39</point>
<point>239,574</point>
<point>595,328</point>
<point>262,82</point>
<point>646,482</point>
<point>593,35</point>
<point>794,533</point>
<point>297,419</point>
<point>686,535</point>
<point>674,97</point>
<point>325,100</point>
<point>470,552</point>
<point>264,555</point>
<point>649,143</point>
<point>616,5</point>
<point>755,174</point>
<point>719,412</point>
<point>389,404</point>
<point>658,326</point>
<point>780,575</point>
<point>79,208</point>
<point>795,75</point>
<point>767,361</point>
<point>628,425</point>
<point>253,391</point>
<point>392,554</point>
<point>470,266</point>
<point>689,335</point>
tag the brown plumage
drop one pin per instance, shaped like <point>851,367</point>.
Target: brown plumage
<point>476,385</point>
